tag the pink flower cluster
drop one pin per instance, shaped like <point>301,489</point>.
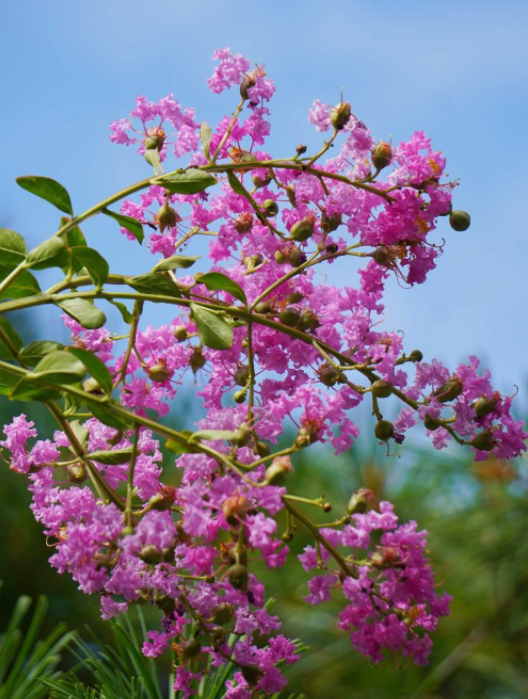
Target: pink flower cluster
<point>314,352</point>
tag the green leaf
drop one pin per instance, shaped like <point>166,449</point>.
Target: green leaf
<point>95,367</point>
<point>237,186</point>
<point>180,447</point>
<point>152,157</point>
<point>7,382</point>
<point>157,284</point>
<point>35,351</point>
<point>131,224</point>
<point>214,331</point>
<point>24,285</point>
<point>216,281</point>
<point>12,249</point>
<point>112,458</point>
<point>214,435</point>
<point>50,253</point>
<point>125,313</point>
<point>48,189</point>
<point>84,312</point>
<point>175,262</point>
<point>27,390</point>
<point>12,335</point>
<point>81,432</point>
<point>189,181</point>
<point>95,264</point>
<point>59,367</point>
<point>205,135</point>
<point>105,415</point>
<point>74,237</point>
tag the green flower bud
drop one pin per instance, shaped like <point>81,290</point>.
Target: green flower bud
<point>197,360</point>
<point>381,155</point>
<point>330,223</point>
<point>340,115</point>
<point>262,449</point>
<point>483,441</point>
<point>303,229</point>
<point>290,317</point>
<point>287,536</point>
<point>359,501</point>
<point>252,261</point>
<point>296,257</point>
<point>309,320</point>
<point>163,499</point>
<point>218,636</point>
<point>159,372</point>
<point>416,356</point>
<point>77,473</point>
<point>263,307</point>
<point>290,193</point>
<point>294,297</point>
<point>167,217</point>
<point>92,386</point>
<point>190,649</point>
<point>384,430</point>
<point>432,423</point>
<point>280,257</point>
<point>381,256</point>
<point>484,407</point>
<point>241,375</point>
<point>270,207</point>
<point>278,470</point>
<point>151,142</point>
<point>327,375</point>
<point>381,389</point>
<point>164,602</point>
<point>243,223</point>
<point>150,554</point>
<point>305,436</point>
<point>238,576</point>
<point>459,220</point>
<point>240,396</point>
<point>260,182</point>
<point>449,390</point>
<point>242,436</point>
<point>180,333</point>
<point>222,614</point>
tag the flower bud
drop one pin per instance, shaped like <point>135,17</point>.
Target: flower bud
<point>485,406</point>
<point>360,501</point>
<point>290,317</point>
<point>159,372</point>
<point>303,229</point>
<point>294,297</point>
<point>190,649</point>
<point>163,499</point>
<point>381,155</point>
<point>459,220</point>
<point>270,207</point>
<point>449,390</point>
<point>263,307</point>
<point>296,257</point>
<point>240,396</point>
<point>234,508</point>
<point>416,356</point>
<point>278,471</point>
<point>287,536</point>
<point>259,181</point>
<point>381,256</point>
<point>247,83</point>
<point>150,554</point>
<point>91,385</point>
<point>167,217</point>
<point>301,149</point>
<point>280,257</point>
<point>222,614</point>
<point>328,375</point>
<point>243,223</point>
<point>384,430</point>
<point>309,320</point>
<point>180,333</point>
<point>197,360</point>
<point>77,473</point>
<point>330,223</point>
<point>340,115</point>
<point>381,389</point>
<point>432,423</point>
<point>238,576</point>
<point>262,449</point>
<point>241,375</point>
<point>155,138</point>
<point>305,436</point>
<point>251,673</point>
<point>252,261</point>
<point>483,441</point>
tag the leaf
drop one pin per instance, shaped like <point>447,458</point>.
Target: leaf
<point>214,435</point>
<point>12,249</point>
<point>237,186</point>
<point>189,181</point>
<point>59,367</point>
<point>95,367</point>
<point>95,264</point>
<point>73,238</point>
<point>47,189</point>
<point>7,382</point>
<point>112,458</point>
<point>216,281</point>
<point>214,331</point>
<point>152,157</point>
<point>132,225</point>
<point>84,312</point>
<point>181,447</point>
<point>205,135</point>
<point>12,335</point>
<point>50,253</point>
<point>27,390</point>
<point>81,432</point>
<point>35,351</point>
<point>175,262</point>
<point>105,415</point>
<point>125,313</point>
<point>24,285</point>
<point>157,284</point>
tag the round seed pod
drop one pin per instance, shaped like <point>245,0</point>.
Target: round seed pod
<point>180,333</point>
<point>483,441</point>
<point>270,207</point>
<point>328,375</point>
<point>309,320</point>
<point>223,614</point>
<point>150,554</point>
<point>290,317</point>
<point>303,229</point>
<point>459,220</point>
<point>416,356</point>
<point>263,307</point>
<point>238,576</point>
<point>280,257</point>
<point>384,430</point>
<point>240,396</point>
<point>381,256</point>
<point>381,389</point>
<point>77,473</point>
<point>159,372</point>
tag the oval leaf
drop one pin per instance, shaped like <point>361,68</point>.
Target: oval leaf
<point>95,264</point>
<point>214,435</point>
<point>29,390</point>
<point>189,181</point>
<point>12,249</point>
<point>12,339</point>
<point>84,312</point>
<point>35,351</point>
<point>8,381</point>
<point>132,225</point>
<point>157,284</point>
<point>105,415</point>
<point>214,331</point>
<point>47,254</point>
<point>216,281</point>
<point>24,285</point>
<point>175,262</point>
<point>111,458</point>
<point>205,134</point>
<point>59,367</point>
<point>95,367</point>
<point>47,189</point>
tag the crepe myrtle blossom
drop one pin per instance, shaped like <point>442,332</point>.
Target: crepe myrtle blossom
<point>268,346</point>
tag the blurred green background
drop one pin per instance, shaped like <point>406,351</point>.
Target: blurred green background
<point>477,518</point>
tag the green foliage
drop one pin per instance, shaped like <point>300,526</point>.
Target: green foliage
<point>24,659</point>
<point>213,330</point>
<point>189,181</point>
<point>175,262</point>
<point>47,189</point>
<point>84,312</point>
<point>132,225</point>
<point>216,281</point>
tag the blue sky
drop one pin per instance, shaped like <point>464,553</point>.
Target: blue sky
<point>457,70</point>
